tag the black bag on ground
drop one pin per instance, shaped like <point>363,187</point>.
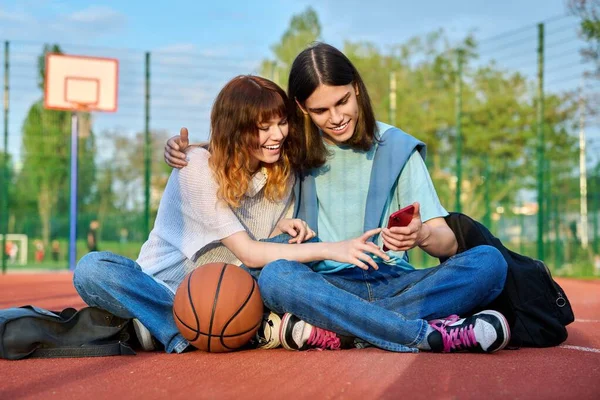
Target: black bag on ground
<point>32,332</point>
<point>535,306</point>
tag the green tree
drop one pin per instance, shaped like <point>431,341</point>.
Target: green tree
<point>303,30</point>
<point>589,13</point>
<point>44,178</point>
<point>118,198</point>
<point>6,183</point>
<point>498,123</point>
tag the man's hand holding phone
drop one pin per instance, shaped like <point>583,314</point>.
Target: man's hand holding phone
<point>404,230</point>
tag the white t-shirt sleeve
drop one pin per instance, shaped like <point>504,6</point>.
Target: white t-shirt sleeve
<point>190,216</point>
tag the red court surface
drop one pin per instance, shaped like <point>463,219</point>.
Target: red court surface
<point>571,371</point>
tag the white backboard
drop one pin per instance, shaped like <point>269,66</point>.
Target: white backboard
<point>81,83</point>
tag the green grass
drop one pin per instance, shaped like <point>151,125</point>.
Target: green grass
<point>130,250</point>
<point>578,265</point>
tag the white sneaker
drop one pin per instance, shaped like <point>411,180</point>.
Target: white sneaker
<point>267,336</point>
<point>296,334</point>
<point>144,336</point>
<point>485,332</point>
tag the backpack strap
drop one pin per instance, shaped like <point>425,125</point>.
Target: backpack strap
<point>89,332</point>
<point>392,153</point>
<point>100,350</point>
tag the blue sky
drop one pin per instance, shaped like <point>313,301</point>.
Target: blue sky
<point>198,45</point>
<point>248,28</point>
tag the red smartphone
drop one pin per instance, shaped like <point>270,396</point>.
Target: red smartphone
<point>400,218</point>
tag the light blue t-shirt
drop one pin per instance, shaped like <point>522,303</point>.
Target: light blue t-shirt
<point>342,186</point>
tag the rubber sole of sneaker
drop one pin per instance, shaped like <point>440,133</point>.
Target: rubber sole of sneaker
<point>505,328</point>
<point>284,322</point>
<point>143,335</point>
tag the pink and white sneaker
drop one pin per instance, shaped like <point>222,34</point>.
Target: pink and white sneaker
<point>484,332</point>
<point>296,334</point>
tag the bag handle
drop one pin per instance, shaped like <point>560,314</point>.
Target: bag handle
<point>100,350</point>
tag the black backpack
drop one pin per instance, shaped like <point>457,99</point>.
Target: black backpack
<point>38,333</point>
<point>535,306</point>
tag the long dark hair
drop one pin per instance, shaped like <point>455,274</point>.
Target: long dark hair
<point>324,64</point>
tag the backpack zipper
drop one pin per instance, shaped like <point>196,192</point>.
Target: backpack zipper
<point>560,300</point>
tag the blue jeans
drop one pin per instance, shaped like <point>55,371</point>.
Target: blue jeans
<point>388,308</point>
<point>118,285</point>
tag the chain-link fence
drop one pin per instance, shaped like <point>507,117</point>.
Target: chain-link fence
<point>508,121</point>
<point>159,92</point>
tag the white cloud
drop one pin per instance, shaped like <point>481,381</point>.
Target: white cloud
<point>54,23</point>
<point>11,17</point>
<point>190,50</point>
<point>216,60</point>
<point>94,15</point>
<point>177,48</point>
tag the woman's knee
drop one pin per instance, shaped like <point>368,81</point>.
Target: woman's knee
<point>88,268</point>
<point>96,268</point>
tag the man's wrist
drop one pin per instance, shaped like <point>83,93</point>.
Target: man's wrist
<point>424,234</point>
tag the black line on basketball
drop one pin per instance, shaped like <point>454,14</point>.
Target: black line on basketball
<point>228,336</point>
<point>192,305</point>
<point>215,301</point>
<point>184,324</point>
<point>200,333</point>
<point>238,334</point>
<point>236,313</point>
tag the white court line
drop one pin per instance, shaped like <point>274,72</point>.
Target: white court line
<point>580,348</point>
<point>587,320</point>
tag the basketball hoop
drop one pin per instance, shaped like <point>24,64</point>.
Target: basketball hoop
<point>81,107</point>
<point>79,84</point>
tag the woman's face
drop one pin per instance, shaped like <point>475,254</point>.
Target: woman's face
<point>334,109</point>
<point>271,135</point>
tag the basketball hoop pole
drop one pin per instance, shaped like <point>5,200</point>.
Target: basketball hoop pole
<point>73,197</point>
<point>79,84</point>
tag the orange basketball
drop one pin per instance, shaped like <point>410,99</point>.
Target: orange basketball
<point>218,307</point>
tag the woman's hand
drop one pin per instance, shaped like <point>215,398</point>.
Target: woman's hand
<point>175,149</point>
<point>356,251</point>
<point>296,228</point>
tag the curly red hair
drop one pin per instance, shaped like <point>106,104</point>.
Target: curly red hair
<point>241,105</point>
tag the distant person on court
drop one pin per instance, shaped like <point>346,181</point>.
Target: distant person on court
<point>123,235</point>
<point>7,249</point>
<point>40,252</point>
<point>13,252</point>
<point>92,236</point>
<point>234,192</point>
<point>55,250</point>
<point>358,172</point>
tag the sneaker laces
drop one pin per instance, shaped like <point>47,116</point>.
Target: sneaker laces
<point>265,337</point>
<point>454,338</point>
<point>323,339</point>
<point>261,334</point>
